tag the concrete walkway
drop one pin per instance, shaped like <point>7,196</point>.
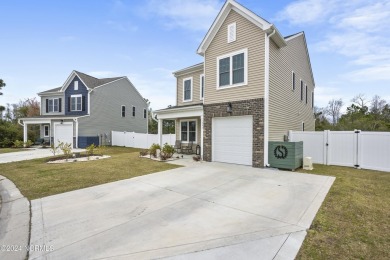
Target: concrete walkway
<point>205,211</point>
<point>33,153</point>
<point>14,222</point>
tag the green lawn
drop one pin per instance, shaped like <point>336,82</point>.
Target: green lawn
<point>37,179</point>
<point>354,220</point>
<point>11,150</point>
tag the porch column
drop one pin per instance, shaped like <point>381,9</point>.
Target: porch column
<point>159,133</point>
<point>25,132</point>
<point>201,136</point>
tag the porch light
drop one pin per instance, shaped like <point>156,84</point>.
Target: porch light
<point>62,121</point>
<point>229,108</point>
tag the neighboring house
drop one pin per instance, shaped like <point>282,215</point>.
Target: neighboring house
<point>86,109</point>
<point>253,86</point>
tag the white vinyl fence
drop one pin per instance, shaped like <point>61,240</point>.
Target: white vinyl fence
<point>368,150</point>
<point>136,140</point>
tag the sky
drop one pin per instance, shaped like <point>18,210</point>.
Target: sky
<point>43,41</point>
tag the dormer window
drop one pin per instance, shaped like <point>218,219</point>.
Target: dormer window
<point>76,85</point>
<point>231,32</point>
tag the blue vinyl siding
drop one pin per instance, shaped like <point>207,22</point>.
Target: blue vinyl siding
<point>82,89</point>
<point>85,141</point>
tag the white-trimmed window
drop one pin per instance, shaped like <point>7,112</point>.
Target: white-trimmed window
<point>76,102</point>
<point>188,131</point>
<point>201,80</point>
<point>187,89</point>
<point>232,69</point>
<point>123,111</point>
<point>46,129</point>
<point>145,113</point>
<point>76,85</point>
<point>293,80</point>
<point>53,105</point>
<point>231,37</point>
<point>301,90</point>
<point>133,110</point>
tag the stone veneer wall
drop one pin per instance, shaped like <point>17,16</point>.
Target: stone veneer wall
<point>254,107</point>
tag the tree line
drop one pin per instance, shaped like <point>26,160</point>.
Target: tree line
<point>362,113</point>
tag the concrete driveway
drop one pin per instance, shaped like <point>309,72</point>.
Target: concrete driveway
<point>31,153</point>
<point>207,211</point>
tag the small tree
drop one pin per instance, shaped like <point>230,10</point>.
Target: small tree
<point>54,149</point>
<point>2,85</point>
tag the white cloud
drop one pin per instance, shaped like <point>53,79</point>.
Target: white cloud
<point>196,15</point>
<point>369,17</point>
<point>305,11</point>
<point>373,73</point>
<point>322,95</point>
<point>356,29</point>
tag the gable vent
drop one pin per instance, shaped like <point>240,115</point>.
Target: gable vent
<point>231,32</point>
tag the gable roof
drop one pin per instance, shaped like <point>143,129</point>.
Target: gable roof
<point>249,15</point>
<point>89,81</point>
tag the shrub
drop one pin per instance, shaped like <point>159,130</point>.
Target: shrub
<point>144,152</point>
<point>91,150</point>
<point>28,144</point>
<point>153,150</point>
<point>167,152</point>
<point>66,149</point>
<point>18,144</point>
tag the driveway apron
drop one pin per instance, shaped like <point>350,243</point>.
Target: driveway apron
<point>204,211</point>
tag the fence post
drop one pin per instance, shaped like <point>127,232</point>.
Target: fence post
<point>327,134</point>
<point>290,136</point>
<point>357,148</point>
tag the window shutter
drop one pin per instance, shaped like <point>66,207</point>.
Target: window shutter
<point>68,104</point>
<point>47,106</point>
<point>83,103</point>
<point>59,105</point>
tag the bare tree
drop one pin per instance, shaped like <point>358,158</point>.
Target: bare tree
<point>360,100</point>
<point>333,109</point>
<point>377,105</point>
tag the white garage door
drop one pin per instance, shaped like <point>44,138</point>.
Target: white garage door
<point>63,133</point>
<point>232,139</point>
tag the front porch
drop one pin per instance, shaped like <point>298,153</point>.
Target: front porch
<point>188,125</point>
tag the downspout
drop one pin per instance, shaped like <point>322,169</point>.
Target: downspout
<point>20,123</point>
<point>266,97</point>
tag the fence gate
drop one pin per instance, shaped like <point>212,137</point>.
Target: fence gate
<point>369,150</point>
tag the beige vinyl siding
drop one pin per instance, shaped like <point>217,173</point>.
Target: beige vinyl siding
<point>178,129</point>
<point>195,88</point>
<point>106,105</point>
<point>286,110</point>
<point>248,36</point>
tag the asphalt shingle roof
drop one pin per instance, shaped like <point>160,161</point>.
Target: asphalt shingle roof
<point>90,81</point>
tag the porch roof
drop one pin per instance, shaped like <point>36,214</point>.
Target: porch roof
<point>180,112</point>
<point>45,119</point>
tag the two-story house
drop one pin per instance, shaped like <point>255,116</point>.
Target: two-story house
<point>252,87</point>
<point>85,109</point>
